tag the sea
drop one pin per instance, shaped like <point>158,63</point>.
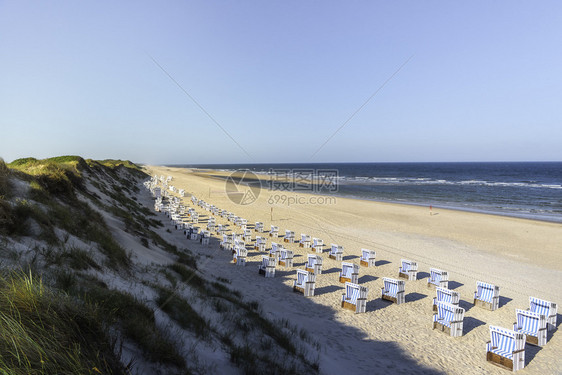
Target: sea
<point>531,190</point>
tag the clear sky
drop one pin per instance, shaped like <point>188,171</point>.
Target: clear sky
<point>483,83</point>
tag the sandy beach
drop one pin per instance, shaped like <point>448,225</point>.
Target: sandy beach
<point>523,257</point>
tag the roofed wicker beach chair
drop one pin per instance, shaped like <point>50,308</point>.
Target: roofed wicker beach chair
<point>506,348</point>
<point>487,295</point>
<point>393,290</point>
<point>546,308</point>
<point>314,264</point>
<point>349,273</point>
<point>367,258</point>
<point>305,241</point>
<point>243,223</point>
<point>211,226</point>
<point>220,229</point>
<point>317,245</point>
<point>305,283</point>
<point>239,256</point>
<point>260,243</point>
<point>533,325</point>
<point>274,231</point>
<point>194,234</point>
<point>236,220</point>
<point>195,218</point>
<point>157,193</point>
<point>449,319</point>
<point>188,227</point>
<point>438,278</point>
<point>354,298</point>
<point>227,242</point>
<point>289,236</point>
<point>336,252</point>
<point>285,258</point>
<point>274,251</point>
<point>247,235</point>
<point>267,266</point>
<point>408,270</point>
<point>205,237</point>
<point>447,296</point>
<point>238,243</point>
<point>178,222</point>
<point>258,227</point>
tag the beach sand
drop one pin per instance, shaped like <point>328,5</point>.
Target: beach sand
<point>523,257</point>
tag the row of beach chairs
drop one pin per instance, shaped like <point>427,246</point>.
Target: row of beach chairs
<point>506,348</point>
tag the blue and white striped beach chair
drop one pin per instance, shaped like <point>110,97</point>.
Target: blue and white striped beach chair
<point>260,243</point>
<point>548,309</point>
<point>285,258</point>
<point>393,290</point>
<point>247,235</point>
<point>220,229</point>
<point>354,298</point>
<point>243,223</point>
<point>336,252</point>
<point>305,241</point>
<point>274,251</point>
<point>317,245</point>
<point>267,266</point>
<point>194,234</point>
<point>533,325</point>
<point>408,270</point>
<point>506,348</point>
<point>368,258</point>
<point>274,231</point>
<point>289,236</point>
<point>304,283</point>
<point>449,319</point>
<point>195,218</point>
<point>446,295</point>
<point>487,295</point>
<point>438,278</point>
<point>258,227</point>
<point>239,256</point>
<point>349,273</point>
<point>314,264</point>
<point>205,237</point>
<point>227,242</point>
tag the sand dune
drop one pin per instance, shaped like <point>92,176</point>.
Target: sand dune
<point>523,257</point>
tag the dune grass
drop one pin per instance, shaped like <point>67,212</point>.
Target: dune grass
<point>44,332</point>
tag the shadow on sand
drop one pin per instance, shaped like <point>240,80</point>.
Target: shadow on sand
<point>470,323</point>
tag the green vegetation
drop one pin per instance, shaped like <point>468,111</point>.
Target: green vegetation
<point>44,332</point>
<point>182,313</point>
<point>4,183</point>
<point>57,206</point>
<point>137,322</point>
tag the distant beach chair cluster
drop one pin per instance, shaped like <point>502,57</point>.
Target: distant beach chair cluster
<point>506,347</point>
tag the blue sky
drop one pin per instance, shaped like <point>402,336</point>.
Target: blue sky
<point>484,82</point>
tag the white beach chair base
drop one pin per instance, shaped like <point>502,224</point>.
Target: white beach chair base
<point>367,263</point>
<point>410,275</point>
<point>400,297</point>
<point>488,305</point>
<point>307,290</point>
<point>455,330</point>
<point>359,307</point>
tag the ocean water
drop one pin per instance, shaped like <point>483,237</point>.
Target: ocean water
<point>524,189</point>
